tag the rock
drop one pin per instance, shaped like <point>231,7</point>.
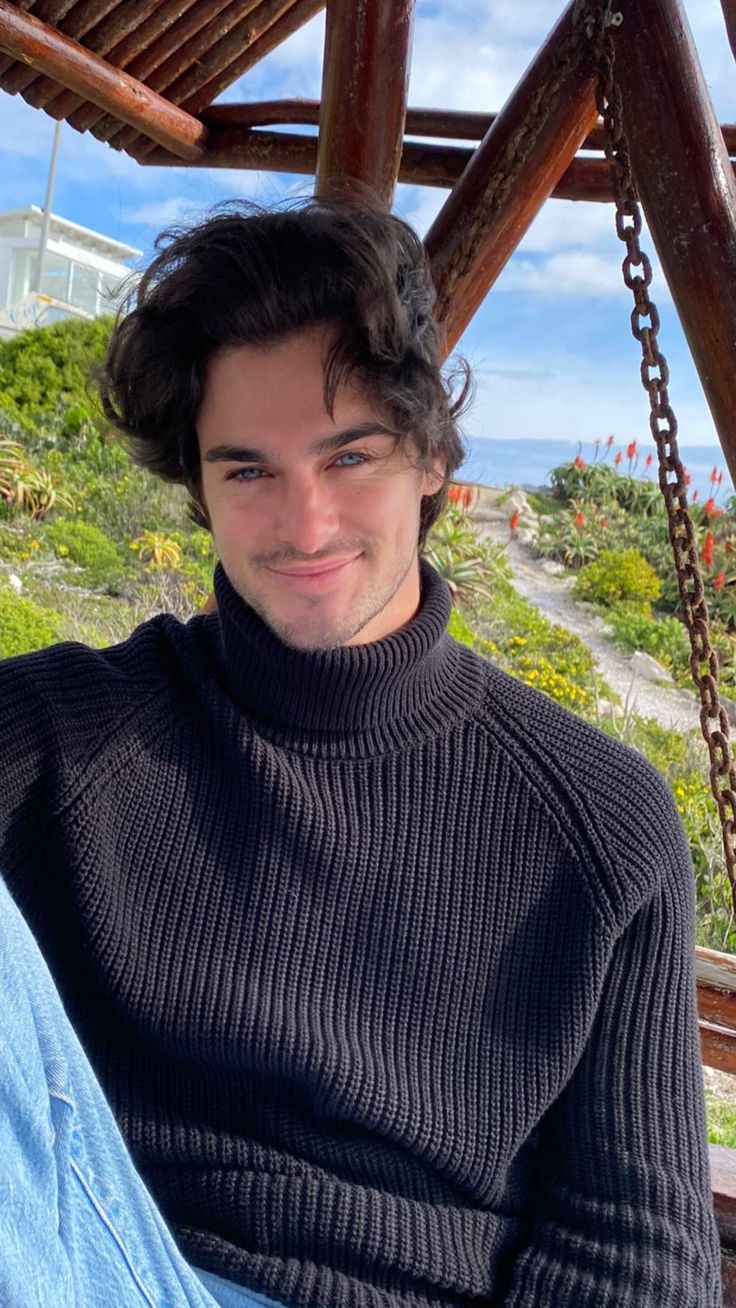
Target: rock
<point>648,668</point>
<point>15,582</point>
<point>551,567</point>
<point>527,535</point>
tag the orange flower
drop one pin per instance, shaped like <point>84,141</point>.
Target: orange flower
<point>467,497</point>
<point>579,463</point>
<point>454,494</point>
<point>688,478</point>
<point>649,460</point>
<point>631,450</point>
<point>514,521</point>
<point>579,519</point>
<point>706,553</point>
<point>719,581</point>
<point>709,507</point>
<point>609,442</point>
<point>617,459</point>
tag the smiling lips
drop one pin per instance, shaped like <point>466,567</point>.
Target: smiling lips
<point>315,572</point>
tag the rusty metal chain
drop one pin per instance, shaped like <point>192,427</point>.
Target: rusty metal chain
<point>597,19</point>
<point>503,176</point>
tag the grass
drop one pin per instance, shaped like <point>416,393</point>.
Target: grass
<point>721,1121</point>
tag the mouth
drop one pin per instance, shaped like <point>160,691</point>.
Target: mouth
<point>316,575</point>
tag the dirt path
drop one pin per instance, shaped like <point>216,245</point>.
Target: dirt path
<point>551,595</point>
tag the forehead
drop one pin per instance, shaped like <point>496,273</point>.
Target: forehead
<point>278,388</point>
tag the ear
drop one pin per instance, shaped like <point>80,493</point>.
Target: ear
<point>434,476</point>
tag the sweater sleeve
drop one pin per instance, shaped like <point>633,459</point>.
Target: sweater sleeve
<point>26,757</point>
<point>622,1207</point>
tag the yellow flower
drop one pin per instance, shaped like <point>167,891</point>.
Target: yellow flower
<point>62,549</point>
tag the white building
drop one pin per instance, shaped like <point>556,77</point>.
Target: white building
<point>82,271</point>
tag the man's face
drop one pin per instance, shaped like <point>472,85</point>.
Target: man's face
<point>321,542</point>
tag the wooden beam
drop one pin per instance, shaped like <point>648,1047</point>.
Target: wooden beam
<point>271,22</point>
<point>101,40</point>
<point>57,56</point>
<point>421,165</point>
<point>729,15</point>
<point>47,11</point>
<point>446,124</point>
<point>516,168</point>
<point>365,82</point>
<point>157,53</point>
<point>718,1047</point>
<point>723,1185</point>
<point>687,190</point>
<point>81,17</point>
<point>216,41</point>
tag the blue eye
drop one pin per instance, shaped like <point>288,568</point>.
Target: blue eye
<point>352,454</point>
<point>239,474</point>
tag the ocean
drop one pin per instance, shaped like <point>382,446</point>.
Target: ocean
<point>528,463</point>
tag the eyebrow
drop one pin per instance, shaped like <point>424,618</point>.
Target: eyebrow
<point>246,454</point>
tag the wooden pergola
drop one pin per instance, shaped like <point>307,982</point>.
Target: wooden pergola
<point>144,76</point>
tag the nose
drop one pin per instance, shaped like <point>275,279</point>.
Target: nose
<point>307,518</point>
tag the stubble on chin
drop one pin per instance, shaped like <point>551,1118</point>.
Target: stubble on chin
<point>307,633</point>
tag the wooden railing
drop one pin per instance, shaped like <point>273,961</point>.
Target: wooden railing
<point>716,983</point>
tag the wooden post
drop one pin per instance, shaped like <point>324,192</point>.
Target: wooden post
<point>687,190</point>
<point>364,92</point>
<point>516,167</point>
<point>49,52</point>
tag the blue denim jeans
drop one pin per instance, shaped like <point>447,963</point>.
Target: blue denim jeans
<point>78,1228</point>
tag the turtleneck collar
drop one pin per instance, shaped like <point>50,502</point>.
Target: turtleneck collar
<point>407,685</point>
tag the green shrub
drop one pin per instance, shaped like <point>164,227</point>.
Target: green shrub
<point>665,638</point>
<point>618,575</point>
<point>590,480</point>
<point>45,371</point>
<point>25,626</point>
<point>15,540</point>
<point>89,548</point>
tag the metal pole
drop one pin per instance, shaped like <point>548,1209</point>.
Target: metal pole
<point>43,242</point>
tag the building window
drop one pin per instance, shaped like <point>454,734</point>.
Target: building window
<point>55,278</point>
<point>83,289</point>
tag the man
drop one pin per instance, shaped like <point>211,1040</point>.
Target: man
<point>383,960</point>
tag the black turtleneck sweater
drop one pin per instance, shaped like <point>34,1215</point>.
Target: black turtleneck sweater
<point>384,960</point>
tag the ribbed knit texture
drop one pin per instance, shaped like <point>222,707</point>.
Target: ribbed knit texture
<point>384,960</point>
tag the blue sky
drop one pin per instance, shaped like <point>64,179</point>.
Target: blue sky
<point>551,347</point>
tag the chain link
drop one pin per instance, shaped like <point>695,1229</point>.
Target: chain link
<point>596,19</point>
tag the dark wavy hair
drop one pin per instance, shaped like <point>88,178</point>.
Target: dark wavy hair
<point>249,276</point>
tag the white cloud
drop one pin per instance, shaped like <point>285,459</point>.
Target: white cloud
<point>576,272</point>
<point>419,205</point>
<point>562,223</point>
<point>561,397</point>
